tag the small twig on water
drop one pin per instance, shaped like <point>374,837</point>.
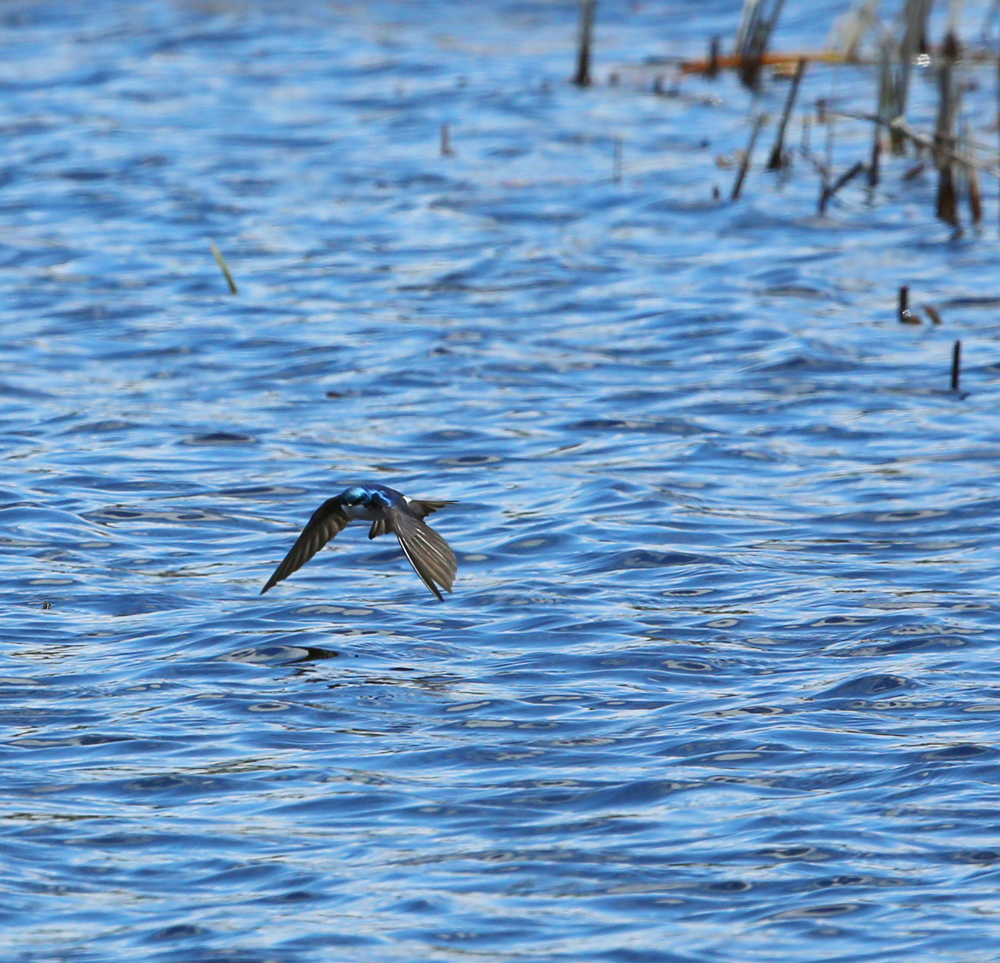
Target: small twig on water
<point>745,163</point>
<point>221,261</point>
<point>582,78</point>
<point>956,365</point>
<point>933,313</point>
<point>777,159</point>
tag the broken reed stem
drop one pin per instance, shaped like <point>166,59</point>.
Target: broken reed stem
<point>975,195</point>
<point>745,163</point>
<point>844,178</point>
<point>913,41</point>
<point>582,78</point>
<point>831,130</point>
<point>956,365</point>
<point>876,158</point>
<point>946,208</point>
<point>754,33</point>
<point>617,162</point>
<point>903,312</point>
<point>713,58</point>
<point>777,159</point>
<point>944,132</point>
<point>221,261</point>
<point>884,107</point>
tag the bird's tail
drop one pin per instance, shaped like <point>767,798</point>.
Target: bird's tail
<point>422,509</point>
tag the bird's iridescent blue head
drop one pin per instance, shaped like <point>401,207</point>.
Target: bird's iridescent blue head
<point>355,496</point>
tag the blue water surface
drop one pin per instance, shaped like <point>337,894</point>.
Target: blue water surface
<point>717,682</point>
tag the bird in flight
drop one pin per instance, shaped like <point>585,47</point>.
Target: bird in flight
<point>388,511</point>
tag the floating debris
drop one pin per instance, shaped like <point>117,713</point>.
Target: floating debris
<point>221,261</point>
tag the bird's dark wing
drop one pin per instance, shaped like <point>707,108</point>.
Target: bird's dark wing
<point>429,554</point>
<point>328,520</point>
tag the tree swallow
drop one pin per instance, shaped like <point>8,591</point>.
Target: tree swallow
<point>388,511</point>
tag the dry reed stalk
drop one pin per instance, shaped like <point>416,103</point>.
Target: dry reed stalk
<point>845,178</point>
<point>944,132</point>
<point>914,41</point>
<point>884,107</point>
<point>745,163</point>
<point>778,158</point>
<point>970,178</point>
<point>714,49</point>
<point>975,195</point>
<point>582,78</point>
<point>956,365</point>
<point>850,29</point>
<point>757,23</point>
<point>873,165</point>
<point>903,312</point>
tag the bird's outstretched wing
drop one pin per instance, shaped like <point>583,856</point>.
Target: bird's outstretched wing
<point>328,520</point>
<point>429,554</point>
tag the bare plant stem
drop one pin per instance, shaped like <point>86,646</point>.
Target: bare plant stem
<point>745,163</point>
<point>582,78</point>
<point>777,160</point>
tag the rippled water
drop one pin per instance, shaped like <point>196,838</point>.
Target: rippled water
<point>717,681</point>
